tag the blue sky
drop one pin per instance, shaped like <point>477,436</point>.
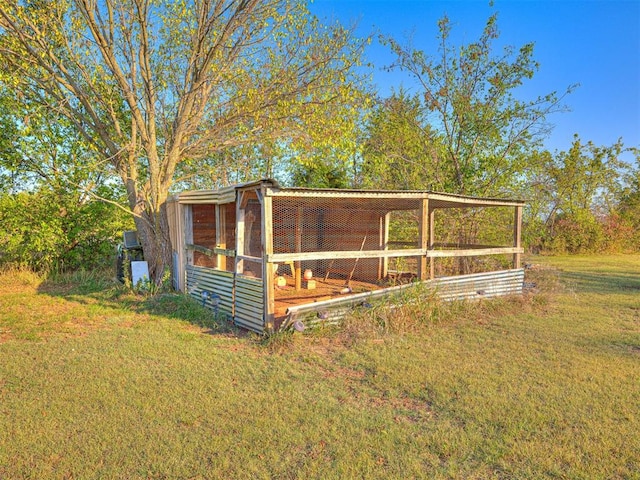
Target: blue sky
<point>592,43</point>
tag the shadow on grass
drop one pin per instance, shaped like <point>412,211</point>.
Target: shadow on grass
<point>602,282</point>
<point>113,298</point>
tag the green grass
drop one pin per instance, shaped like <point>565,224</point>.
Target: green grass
<point>98,383</point>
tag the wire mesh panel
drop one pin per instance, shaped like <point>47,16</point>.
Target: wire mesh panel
<point>251,226</point>
<point>344,235</point>
<point>227,236</point>
<point>473,228</point>
<point>204,234</point>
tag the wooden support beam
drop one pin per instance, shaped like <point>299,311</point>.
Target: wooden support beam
<point>239,235</point>
<point>298,233</point>
<point>415,252</point>
<point>188,233</point>
<point>517,236</point>
<point>473,252</point>
<point>211,251</point>
<point>342,254</point>
<point>432,241</point>
<point>383,266</point>
<point>423,226</point>
<point>221,235</point>
<point>267,267</point>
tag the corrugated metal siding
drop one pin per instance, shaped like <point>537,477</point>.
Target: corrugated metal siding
<point>474,286</point>
<point>201,279</point>
<point>249,311</point>
<point>176,235</point>
<point>249,298</point>
<point>480,285</point>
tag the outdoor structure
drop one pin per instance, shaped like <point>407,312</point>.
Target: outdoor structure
<point>267,256</point>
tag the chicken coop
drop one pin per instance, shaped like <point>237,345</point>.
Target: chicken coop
<point>268,257</point>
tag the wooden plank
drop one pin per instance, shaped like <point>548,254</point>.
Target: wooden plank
<point>306,256</point>
<point>298,234</point>
<point>473,252</point>
<point>423,226</point>
<point>239,236</point>
<point>221,260</point>
<point>459,201</point>
<point>416,252</point>
<point>188,233</point>
<point>446,200</point>
<point>463,246</point>
<point>267,267</point>
<point>356,194</point>
<point>383,266</point>
<point>211,252</point>
<point>431,243</point>
<point>517,235</point>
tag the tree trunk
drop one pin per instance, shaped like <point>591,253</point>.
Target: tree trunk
<point>153,232</point>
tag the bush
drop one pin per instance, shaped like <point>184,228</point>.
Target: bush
<point>47,231</point>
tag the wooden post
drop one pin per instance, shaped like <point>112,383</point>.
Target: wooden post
<point>221,235</point>
<point>517,235</point>
<point>176,212</point>
<point>432,241</point>
<point>267,267</point>
<point>188,232</point>
<point>239,236</point>
<point>383,265</point>
<point>298,274</point>
<point>423,225</point>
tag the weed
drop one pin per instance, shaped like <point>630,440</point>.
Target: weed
<point>184,307</point>
<point>81,281</point>
<point>19,277</point>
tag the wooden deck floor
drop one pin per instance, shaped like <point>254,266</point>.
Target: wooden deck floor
<point>287,296</point>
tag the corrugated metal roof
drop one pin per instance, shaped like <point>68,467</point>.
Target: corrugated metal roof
<point>439,199</point>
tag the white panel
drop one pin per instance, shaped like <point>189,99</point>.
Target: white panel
<point>139,271</point>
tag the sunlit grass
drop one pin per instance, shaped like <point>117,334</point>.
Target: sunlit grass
<point>99,383</point>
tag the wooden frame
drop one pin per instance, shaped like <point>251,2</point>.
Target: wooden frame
<point>378,245</point>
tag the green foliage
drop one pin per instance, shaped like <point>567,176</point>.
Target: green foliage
<point>466,124</point>
<point>576,199</point>
<point>148,287</point>
<point>401,150</point>
<point>49,231</point>
<point>163,90</point>
<point>320,175</point>
<point>629,205</point>
<point>50,218</point>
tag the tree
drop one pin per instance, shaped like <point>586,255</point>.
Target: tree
<point>401,150</point>
<point>467,95</point>
<point>629,205</point>
<point>47,219</point>
<point>155,87</point>
<point>9,134</point>
<point>576,194</point>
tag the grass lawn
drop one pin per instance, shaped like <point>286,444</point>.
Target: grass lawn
<point>97,383</point>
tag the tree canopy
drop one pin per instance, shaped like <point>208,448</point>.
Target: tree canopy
<point>464,130</point>
<point>130,100</point>
<point>156,87</point>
